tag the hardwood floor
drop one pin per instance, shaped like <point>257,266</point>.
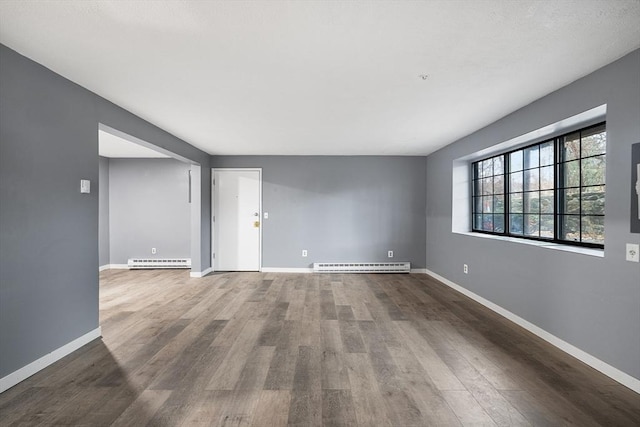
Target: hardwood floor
<point>258,349</point>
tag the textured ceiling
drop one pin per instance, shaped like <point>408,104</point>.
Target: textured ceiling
<point>319,77</point>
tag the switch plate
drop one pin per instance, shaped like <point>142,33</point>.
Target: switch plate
<point>633,252</point>
<point>304,252</point>
<point>266,215</point>
<point>390,254</point>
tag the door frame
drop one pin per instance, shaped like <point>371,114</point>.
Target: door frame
<point>213,227</point>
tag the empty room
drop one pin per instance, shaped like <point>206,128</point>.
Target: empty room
<point>336,213</point>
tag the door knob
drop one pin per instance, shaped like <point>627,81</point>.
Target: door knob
<point>256,214</point>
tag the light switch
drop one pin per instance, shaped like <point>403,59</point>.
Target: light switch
<point>266,215</point>
<point>85,186</point>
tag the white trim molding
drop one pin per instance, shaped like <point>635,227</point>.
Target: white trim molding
<point>198,274</point>
<point>48,359</point>
<point>113,267</point>
<point>418,271</point>
<point>286,270</point>
<point>610,371</point>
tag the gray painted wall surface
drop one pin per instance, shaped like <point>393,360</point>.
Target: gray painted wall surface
<point>48,229</point>
<point>148,207</point>
<point>592,303</point>
<point>103,211</point>
<point>339,208</point>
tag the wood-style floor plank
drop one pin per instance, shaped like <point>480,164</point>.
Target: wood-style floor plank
<point>253,349</point>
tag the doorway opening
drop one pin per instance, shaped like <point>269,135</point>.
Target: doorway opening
<point>149,203</point>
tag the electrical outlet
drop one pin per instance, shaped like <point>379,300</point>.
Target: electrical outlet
<point>153,251</point>
<point>304,252</point>
<point>633,252</point>
<point>465,268</point>
<point>390,254</point>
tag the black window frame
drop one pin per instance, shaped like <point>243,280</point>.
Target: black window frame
<point>558,164</point>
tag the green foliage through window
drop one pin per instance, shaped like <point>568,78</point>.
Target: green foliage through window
<point>552,191</point>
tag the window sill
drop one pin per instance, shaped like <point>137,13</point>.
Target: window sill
<point>556,246</point>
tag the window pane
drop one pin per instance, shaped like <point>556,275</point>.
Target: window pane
<point>546,178</point>
<point>570,201</point>
<point>546,201</point>
<point>593,229</point>
<point>487,204</point>
<point>572,174</point>
<point>477,222</point>
<point>515,223</point>
<point>515,182</point>
<point>571,147</point>
<point>515,161</point>
<point>593,170</point>
<point>498,204</point>
<point>531,225</point>
<point>531,179</point>
<point>594,141</point>
<point>477,204</point>
<point>498,223</point>
<point>487,222</point>
<point>531,202</point>
<point>477,187</point>
<point>546,226</point>
<point>515,203</point>
<point>546,153</point>
<point>498,166</point>
<point>487,186</point>
<point>476,170</point>
<point>531,157</point>
<point>593,200</point>
<point>498,184</point>
<point>570,227</point>
<point>487,168</point>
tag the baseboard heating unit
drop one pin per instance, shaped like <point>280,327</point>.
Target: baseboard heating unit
<point>140,263</point>
<point>361,267</point>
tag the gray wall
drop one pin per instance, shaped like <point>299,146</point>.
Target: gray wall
<point>592,303</point>
<point>148,207</point>
<point>103,211</point>
<point>48,229</point>
<point>339,208</point>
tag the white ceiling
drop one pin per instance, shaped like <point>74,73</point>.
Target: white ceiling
<point>115,147</point>
<point>320,77</point>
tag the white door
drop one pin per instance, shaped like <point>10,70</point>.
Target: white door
<point>237,220</point>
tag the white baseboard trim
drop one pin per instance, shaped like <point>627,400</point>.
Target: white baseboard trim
<point>597,364</point>
<point>48,359</point>
<point>286,270</point>
<point>418,271</point>
<point>198,274</point>
<point>113,267</point>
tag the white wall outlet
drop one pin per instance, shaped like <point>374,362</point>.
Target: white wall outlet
<point>465,268</point>
<point>85,186</point>
<point>304,252</point>
<point>390,254</point>
<point>153,251</point>
<point>633,252</point>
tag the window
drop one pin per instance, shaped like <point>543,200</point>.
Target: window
<point>551,191</point>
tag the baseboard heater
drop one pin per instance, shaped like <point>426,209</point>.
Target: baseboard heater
<point>361,267</point>
<point>140,263</point>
